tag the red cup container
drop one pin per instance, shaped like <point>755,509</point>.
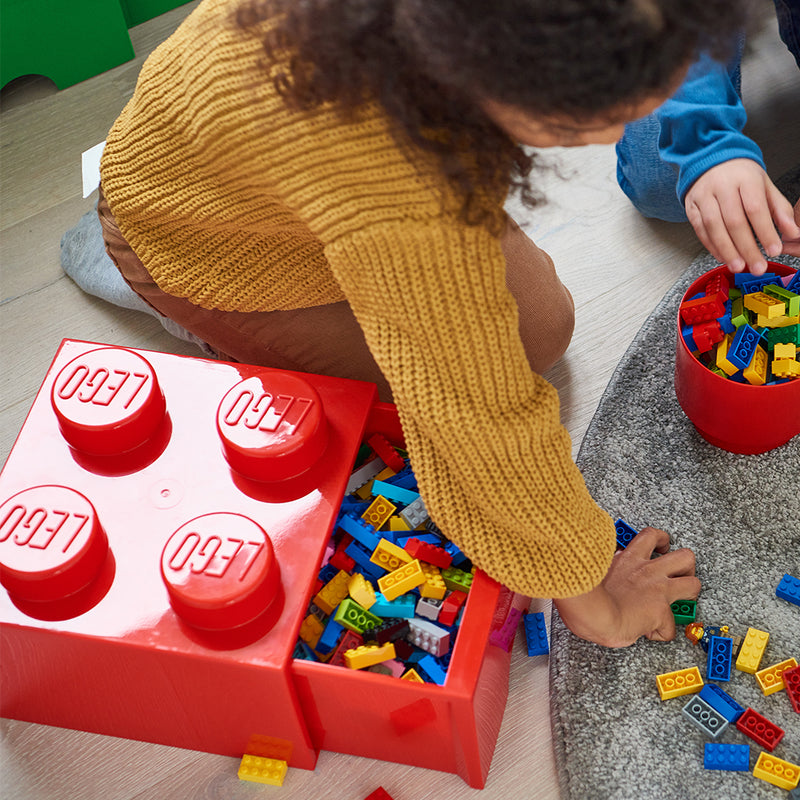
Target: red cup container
<point>734,416</point>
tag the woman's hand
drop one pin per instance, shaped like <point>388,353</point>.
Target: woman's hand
<point>634,598</point>
<point>733,204</point>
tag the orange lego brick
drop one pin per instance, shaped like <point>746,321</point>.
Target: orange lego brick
<point>378,512</point>
<point>770,679</point>
<point>332,593</point>
<point>310,630</point>
<point>680,682</point>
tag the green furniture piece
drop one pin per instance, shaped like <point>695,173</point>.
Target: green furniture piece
<point>69,41</point>
<point>138,11</point>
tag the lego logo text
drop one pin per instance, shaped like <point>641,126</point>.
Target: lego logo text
<point>101,387</point>
<point>39,528</point>
<point>213,556</point>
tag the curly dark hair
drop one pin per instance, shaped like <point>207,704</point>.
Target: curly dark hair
<point>430,62</point>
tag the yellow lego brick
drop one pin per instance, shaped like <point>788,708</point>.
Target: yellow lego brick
<point>434,585</point>
<point>397,523</point>
<point>368,654</point>
<point>411,675</point>
<point>786,368</point>
<point>755,373</point>
<point>680,682</point>
<point>310,630</point>
<point>389,556</point>
<point>777,322</point>
<point>776,771</point>
<point>785,350</point>
<point>402,580</point>
<point>751,651</point>
<point>378,512</point>
<point>722,356</point>
<point>765,305</point>
<point>770,679</point>
<point>262,770</point>
<point>360,589</point>
<point>332,593</point>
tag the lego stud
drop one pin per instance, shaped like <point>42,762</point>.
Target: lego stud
<point>220,571</point>
<point>107,401</point>
<point>272,426</point>
<point>51,544</point>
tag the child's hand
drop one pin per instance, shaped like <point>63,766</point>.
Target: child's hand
<point>635,596</point>
<point>732,204</point>
<point>792,246</point>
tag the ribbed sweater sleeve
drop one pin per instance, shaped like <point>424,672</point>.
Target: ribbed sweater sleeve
<point>483,431</point>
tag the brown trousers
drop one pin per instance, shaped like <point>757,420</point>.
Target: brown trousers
<point>327,340</point>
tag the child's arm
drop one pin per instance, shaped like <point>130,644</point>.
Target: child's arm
<point>634,598</point>
<point>732,204</point>
<point>721,179</point>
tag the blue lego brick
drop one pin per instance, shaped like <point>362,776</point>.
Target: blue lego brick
<point>705,716</point>
<point>404,479</point>
<point>361,556</point>
<point>303,652</point>
<point>327,573</point>
<point>394,493</point>
<point>352,505</point>
<point>458,557</point>
<point>330,636</point>
<point>708,632</point>
<point>750,283</point>
<point>686,332</point>
<point>625,533</point>
<point>432,669</point>
<point>536,634</point>
<point>720,653</point>
<point>789,589</point>
<point>726,320</point>
<point>721,701</point>
<point>403,607</point>
<point>794,283</point>
<point>361,531</point>
<point>743,346</point>
<point>730,757</point>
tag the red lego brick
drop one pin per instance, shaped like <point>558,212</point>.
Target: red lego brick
<point>386,452</point>
<point>791,677</point>
<point>760,729</point>
<point>379,794</point>
<point>150,553</point>
<point>139,553</point>
<point>430,553</point>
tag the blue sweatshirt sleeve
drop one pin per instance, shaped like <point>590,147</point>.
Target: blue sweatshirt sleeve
<point>701,125</point>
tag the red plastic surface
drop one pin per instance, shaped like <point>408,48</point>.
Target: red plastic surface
<point>735,416</point>
<point>155,584</point>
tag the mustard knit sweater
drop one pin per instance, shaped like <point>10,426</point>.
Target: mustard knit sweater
<point>235,202</point>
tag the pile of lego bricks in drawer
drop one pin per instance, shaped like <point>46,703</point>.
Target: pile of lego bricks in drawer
<point>747,331</point>
<point>391,589</point>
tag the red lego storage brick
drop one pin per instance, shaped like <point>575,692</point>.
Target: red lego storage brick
<point>162,523</point>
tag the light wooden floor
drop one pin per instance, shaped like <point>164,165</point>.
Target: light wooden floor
<point>617,265</point>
